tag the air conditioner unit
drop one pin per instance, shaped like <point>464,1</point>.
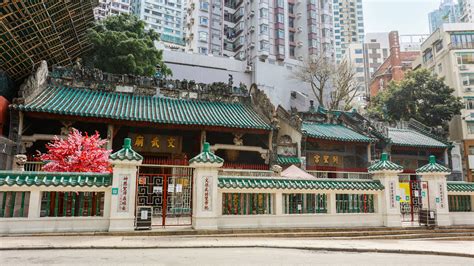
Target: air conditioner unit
<point>468,89</point>
<point>252,29</point>
<point>462,67</point>
<point>248,69</point>
<point>300,58</point>
<point>299,14</point>
<point>252,13</point>
<point>252,45</point>
<point>300,29</point>
<point>300,44</point>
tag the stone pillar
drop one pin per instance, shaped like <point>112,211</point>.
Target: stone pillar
<point>205,191</point>
<point>387,173</point>
<point>436,176</point>
<point>125,164</point>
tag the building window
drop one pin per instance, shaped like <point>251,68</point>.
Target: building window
<point>469,103</point>
<point>247,203</point>
<point>292,51</point>
<point>204,5</point>
<point>280,18</point>
<point>203,36</point>
<point>459,203</point>
<point>465,41</point>
<point>263,13</point>
<point>470,128</point>
<point>264,29</point>
<point>358,51</point>
<point>355,203</point>
<point>67,204</point>
<point>467,79</point>
<point>203,21</point>
<point>264,46</point>
<point>202,50</point>
<point>359,60</point>
<point>439,46</point>
<point>14,204</point>
<point>304,203</point>
<point>280,34</point>
<point>359,69</point>
<point>465,58</point>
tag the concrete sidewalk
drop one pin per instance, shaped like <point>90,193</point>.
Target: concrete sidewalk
<point>431,247</point>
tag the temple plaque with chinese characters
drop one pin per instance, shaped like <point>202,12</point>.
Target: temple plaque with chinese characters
<point>325,159</point>
<point>156,143</point>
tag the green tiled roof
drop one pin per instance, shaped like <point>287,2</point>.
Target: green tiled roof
<point>206,156</point>
<point>268,183</point>
<point>287,160</point>
<point>412,138</point>
<point>10,178</point>
<point>460,187</point>
<point>123,106</point>
<point>385,164</point>
<point>433,167</point>
<point>126,153</point>
<point>332,132</point>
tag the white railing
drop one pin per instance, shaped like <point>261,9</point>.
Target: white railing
<point>34,166</point>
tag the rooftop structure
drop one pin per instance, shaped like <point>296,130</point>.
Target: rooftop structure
<point>34,31</point>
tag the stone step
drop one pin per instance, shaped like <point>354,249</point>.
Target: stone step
<point>426,236</point>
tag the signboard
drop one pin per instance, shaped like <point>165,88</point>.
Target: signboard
<point>156,143</point>
<point>124,188</point>
<point>114,191</point>
<point>441,195</point>
<point>404,192</point>
<point>206,203</point>
<point>325,159</point>
<point>392,194</point>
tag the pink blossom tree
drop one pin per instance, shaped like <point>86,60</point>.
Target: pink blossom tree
<point>77,153</point>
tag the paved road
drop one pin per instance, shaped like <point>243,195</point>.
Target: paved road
<point>219,256</point>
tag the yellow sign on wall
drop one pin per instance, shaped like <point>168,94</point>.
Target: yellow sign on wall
<point>404,192</point>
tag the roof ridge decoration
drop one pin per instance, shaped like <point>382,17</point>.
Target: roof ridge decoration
<point>207,156</point>
<point>385,165</point>
<point>126,153</point>
<point>433,167</point>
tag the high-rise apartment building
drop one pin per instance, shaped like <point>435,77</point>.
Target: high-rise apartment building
<point>261,30</point>
<point>166,17</point>
<point>348,25</point>
<point>355,57</point>
<point>466,9</point>
<point>376,51</point>
<point>448,12</point>
<point>112,7</point>
<point>449,53</point>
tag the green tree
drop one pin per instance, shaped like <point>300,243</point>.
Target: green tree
<point>420,95</point>
<point>121,45</point>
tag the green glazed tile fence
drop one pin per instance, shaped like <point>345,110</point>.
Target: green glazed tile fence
<point>72,204</point>
<point>247,203</point>
<point>14,204</point>
<point>298,203</point>
<point>355,203</point>
<point>460,203</point>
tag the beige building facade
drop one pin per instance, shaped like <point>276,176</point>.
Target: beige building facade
<point>449,52</point>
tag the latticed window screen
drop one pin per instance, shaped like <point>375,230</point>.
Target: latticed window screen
<point>247,203</point>
<point>304,203</point>
<point>355,203</point>
<point>460,203</point>
<point>14,204</point>
<point>66,204</point>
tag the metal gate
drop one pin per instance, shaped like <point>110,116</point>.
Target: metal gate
<point>168,191</point>
<point>414,197</point>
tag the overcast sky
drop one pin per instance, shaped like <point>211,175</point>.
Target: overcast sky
<point>406,16</point>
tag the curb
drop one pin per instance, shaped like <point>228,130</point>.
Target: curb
<point>353,250</point>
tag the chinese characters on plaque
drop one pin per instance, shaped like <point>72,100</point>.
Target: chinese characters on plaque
<point>323,159</point>
<point>441,195</point>
<point>124,181</point>
<point>156,143</point>
<point>206,203</point>
<point>392,195</point>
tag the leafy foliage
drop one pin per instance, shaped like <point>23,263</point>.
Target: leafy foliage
<point>121,45</point>
<point>420,95</point>
<point>77,153</point>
